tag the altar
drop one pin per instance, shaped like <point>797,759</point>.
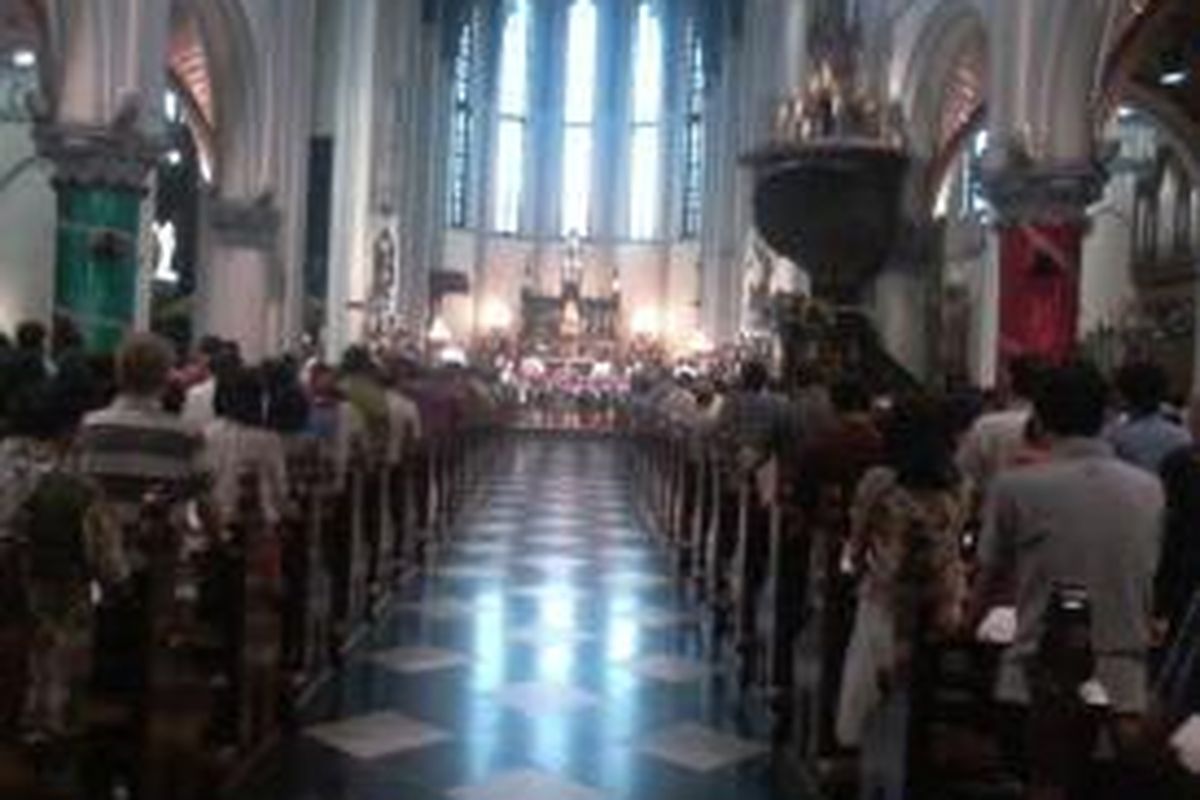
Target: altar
<point>570,324</point>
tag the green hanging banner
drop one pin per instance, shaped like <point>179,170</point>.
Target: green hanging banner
<point>96,274</point>
<point>100,175</point>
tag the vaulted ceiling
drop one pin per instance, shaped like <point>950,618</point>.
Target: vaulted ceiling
<point>1165,58</point>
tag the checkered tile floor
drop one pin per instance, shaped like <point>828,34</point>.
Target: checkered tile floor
<point>549,656</point>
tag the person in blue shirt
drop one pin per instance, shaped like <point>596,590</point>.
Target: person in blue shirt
<point>1146,435</point>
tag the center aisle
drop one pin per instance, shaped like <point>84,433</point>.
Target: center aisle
<point>548,657</point>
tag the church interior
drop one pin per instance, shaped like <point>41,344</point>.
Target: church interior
<point>586,399</point>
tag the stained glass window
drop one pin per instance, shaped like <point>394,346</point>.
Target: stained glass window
<point>513,107</point>
<point>462,132</point>
<point>693,138</point>
<point>646,140</point>
<point>579,109</point>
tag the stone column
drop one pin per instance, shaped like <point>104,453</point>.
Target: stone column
<point>1042,218</point>
<point>100,179</point>
<point>349,241</point>
<point>238,286</point>
<point>1040,167</point>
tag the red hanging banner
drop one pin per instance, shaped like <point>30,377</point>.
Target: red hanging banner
<point>1039,289</point>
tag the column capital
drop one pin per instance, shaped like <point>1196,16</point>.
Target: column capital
<point>112,156</point>
<point>251,223</point>
<point>1045,192</point>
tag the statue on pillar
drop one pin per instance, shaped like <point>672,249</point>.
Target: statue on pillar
<point>380,318</point>
<point>573,261</point>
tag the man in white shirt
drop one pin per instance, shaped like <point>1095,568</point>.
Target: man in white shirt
<point>994,441</point>
<point>213,358</point>
<point>404,425</point>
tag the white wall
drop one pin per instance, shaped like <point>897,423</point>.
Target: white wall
<point>27,219</point>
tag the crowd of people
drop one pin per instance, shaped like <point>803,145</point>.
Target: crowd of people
<point>1065,489</point>
<point>983,518</point>
<point>85,439</point>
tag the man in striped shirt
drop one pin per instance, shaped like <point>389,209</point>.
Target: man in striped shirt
<point>133,447</point>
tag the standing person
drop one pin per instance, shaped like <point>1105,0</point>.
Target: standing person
<point>213,358</point>
<point>906,526</point>
<point>997,438</point>
<point>323,401</point>
<point>1146,435</point>
<point>1178,577</point>
<point>362,389</point>
<point>404,423</point>
<point>1083,519</point>
<point>754,421</point>
<point>238,442</point>
<point>70,542</point>
<point>134,446</point>
<point>852,443</point>
<point>31,348</point>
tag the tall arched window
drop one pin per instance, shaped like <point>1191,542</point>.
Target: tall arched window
<point>462,132</point>
<point>693,137</point>
<point>579,111</point>
<point>645,155</point>
<point>513,108</point>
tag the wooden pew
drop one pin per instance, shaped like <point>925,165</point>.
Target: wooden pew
<point>191,656</point>
<point>257,628</point>
<point>172,713</point>
<point>346,558</point>
<point>307,611</point>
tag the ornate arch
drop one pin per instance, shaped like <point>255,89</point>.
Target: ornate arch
<point>1133,31</point>
<point>944,79</point>
<point>220,60</point>
<point>942,86</point>
<point>34,24</point>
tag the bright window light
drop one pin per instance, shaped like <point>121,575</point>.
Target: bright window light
<point>24,58</point>
<point>171,106</point>
<point>509,170</point>
<point>579,113</point>
<point>1173,78</point>
<point>647,91</point>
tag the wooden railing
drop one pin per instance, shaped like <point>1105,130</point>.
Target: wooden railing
<point>214,644</point>
<point>779,612</point>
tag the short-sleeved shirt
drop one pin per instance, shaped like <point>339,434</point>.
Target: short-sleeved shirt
<point>1086,519</point>
<point>1145,441</point>
<point>404,421</point>
<point>993,445</point>
<point>232,449</point>
<point>133,447</point>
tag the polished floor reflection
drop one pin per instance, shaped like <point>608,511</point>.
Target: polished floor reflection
<point>548,657</point>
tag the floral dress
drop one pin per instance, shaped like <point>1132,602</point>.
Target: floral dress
<point>69,543</point>
<point>905,545</point>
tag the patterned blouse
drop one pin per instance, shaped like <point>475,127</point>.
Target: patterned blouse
<point>905,544</point>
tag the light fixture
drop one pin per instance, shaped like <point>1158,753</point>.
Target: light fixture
<point>24,58</point>
<point>452,355</point>
<point>497,316</point>
<point>439,331</point>
<point>174,157</point>
<point>1125,112</point>
<point>171,105</point>
<point>645,322</point>
<point>699,343</point>
<point>1173,78</point>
